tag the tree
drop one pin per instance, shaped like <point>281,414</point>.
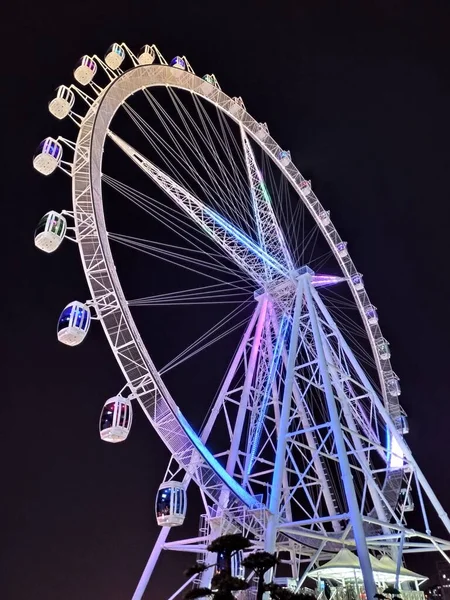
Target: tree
<point>280,593</point>
<point>260,563</point>
<point>223,584</point>
<point>198,593</point>
<point>225,547</point>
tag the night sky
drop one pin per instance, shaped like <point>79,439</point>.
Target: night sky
<point>361,97</point>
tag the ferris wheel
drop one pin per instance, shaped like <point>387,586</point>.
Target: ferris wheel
<point>302,444</point>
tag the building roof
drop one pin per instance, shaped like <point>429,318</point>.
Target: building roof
<point>345,565</point>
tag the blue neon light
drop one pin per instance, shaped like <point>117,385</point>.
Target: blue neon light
<point>265,401</point>
<point>246,241</point>
<point>214,464</point>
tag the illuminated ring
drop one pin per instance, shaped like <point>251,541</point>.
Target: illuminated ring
<point>107,294</point>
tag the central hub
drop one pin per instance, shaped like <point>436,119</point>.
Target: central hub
<point>282,290</point>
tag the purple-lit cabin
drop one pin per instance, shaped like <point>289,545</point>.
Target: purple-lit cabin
<point>341,248</point>
<point>371,314</point>
<point>85,70</point>
<point>48,156</point>
<point>178,63</point>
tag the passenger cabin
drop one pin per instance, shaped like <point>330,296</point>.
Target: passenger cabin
<point>85,70</point>
<point>62,103</point>
<point>48,156</point>
<point>324,217</point>
<point>178,63</point>
<point>383,349</point>
<point>357,280</point>
<point>341,248</point>
<point>208,84</point>
<point>73,324</point>
<point>114,56</point>
<point>305,187</point>
<point>146,55</point>
<point>209,79</point>
<point>262,132</point>
<point>401,424</point>
<point>407,500</point>
<point>116,419</point>
<point>393,385</point>
<point>371,314</point>
<point>171,504</point>
<point>237,107</point>
<point>284,157</point>
<point>50,231</point>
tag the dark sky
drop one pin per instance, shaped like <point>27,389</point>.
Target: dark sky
<point>361,96</point>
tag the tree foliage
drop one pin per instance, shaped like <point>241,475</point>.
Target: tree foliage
<point>280,593</point>
<point>224,585</point>
<point>195,569</point>
<point>198,593</point>
<point>227,544</point>
<point>392,591</point>
<point>260,562</point>
<point>224,581</point>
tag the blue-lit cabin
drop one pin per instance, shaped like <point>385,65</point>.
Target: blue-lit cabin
<point>371,314</point>
<point>383,349</point>
<point>230,564</point>
<point>85,70</point>
<point>73,324</point>
<point>358,282</point>
<point>171,504</point>
<point>178,63</point>
<point>284,157</point>
<point>116,419</point>
<point>146,55</point>
<point>407,500</point>
<point>50,231</point>
<point>62,103</point>
<point>342,250</point>
<point>401,424</point>
<point>48,156</point>
<point>114,56</point>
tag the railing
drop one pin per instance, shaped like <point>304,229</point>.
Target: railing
<point>349,592</point>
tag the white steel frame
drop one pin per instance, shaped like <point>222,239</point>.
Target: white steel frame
<point>287,303</point>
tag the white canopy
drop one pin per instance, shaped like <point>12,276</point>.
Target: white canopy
<point>389,565</point>
<point>345,565</point>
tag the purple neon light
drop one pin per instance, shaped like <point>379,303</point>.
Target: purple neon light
<point>326,280</point>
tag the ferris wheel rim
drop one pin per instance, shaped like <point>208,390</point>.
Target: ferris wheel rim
<point>271,149</point>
